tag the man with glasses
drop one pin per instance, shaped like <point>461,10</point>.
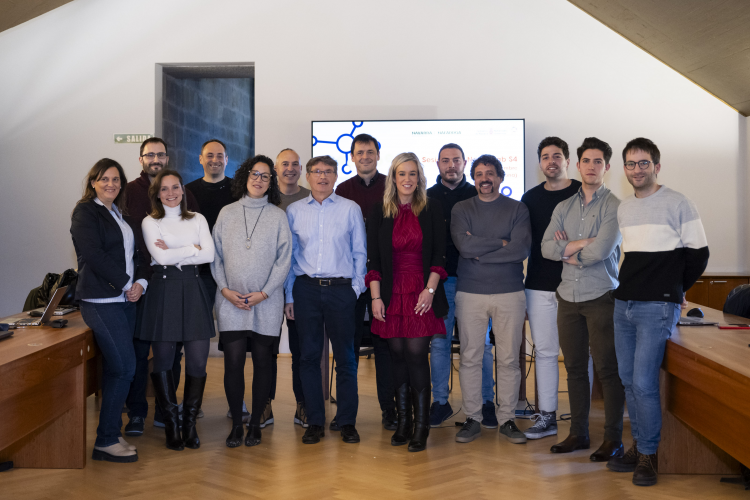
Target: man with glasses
<point>666,252</point>
<point>584,235</point>
<point>327,276</point>
<point>366,189</point>
<point>288,171</point>
<point>452,187</point>
<point>153,158</point>
<point>543,276</point>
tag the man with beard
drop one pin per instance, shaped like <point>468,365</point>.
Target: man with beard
<point>543,276</point>
<point>153,158</point>
<point>584,235</point>
<point>366,189</point>
<point>666,252</point>
<point>450,188</point>
<point>493,236</point>
<point>288,170</point>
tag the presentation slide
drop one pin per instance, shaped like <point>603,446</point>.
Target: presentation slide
<point>501,138</point>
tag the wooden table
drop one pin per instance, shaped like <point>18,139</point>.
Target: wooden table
<point>705,390</point>
<point>45,376</point>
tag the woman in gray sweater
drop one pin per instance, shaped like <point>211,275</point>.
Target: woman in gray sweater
<point>253,254</point>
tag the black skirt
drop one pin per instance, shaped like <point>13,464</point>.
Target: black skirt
<point>251,338</point>
<point>177,307</point>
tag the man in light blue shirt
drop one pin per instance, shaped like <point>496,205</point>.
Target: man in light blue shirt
<point>329,257</point>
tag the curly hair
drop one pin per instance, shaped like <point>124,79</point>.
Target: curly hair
<point>488,160</point>
<point>239,183</point>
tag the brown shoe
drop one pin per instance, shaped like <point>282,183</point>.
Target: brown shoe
<point>608,449</point>
<point>645,472</point>
<point>571,443</point>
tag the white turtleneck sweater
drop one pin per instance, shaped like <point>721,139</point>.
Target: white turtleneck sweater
<point>181,236</point>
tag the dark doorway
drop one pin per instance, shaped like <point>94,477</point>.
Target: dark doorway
<point>199,102</point>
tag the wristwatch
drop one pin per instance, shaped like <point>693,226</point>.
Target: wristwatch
<point>431,290</point>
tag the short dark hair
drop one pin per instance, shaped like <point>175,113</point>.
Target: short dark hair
<point>95,173</point>
<point>594,143</point>
<point>154,140</point>
<point>488,160</point>
<point>239,183</point>
<point>325,160</point>
<point>214,140</point>
<point>645,145</point>
<point>364,139</point>
<point>552,141</point>
<point>157,208</point>
<point>452,145</point>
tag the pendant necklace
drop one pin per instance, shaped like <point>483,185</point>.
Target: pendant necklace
<point>247,242</point>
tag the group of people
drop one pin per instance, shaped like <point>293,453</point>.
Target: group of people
<point>157,257</point>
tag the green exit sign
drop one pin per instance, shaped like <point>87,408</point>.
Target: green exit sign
<point>131,138</point>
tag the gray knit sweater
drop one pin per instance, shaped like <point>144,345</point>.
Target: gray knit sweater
<point>263,267</point>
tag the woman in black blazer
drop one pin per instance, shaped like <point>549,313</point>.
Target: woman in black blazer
<point>405,264</point>
<point>109,284</point>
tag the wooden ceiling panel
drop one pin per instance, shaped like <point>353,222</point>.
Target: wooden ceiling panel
<point>707,41</point>
<point>15,12</point>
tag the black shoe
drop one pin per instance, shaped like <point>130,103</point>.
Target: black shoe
<point>192,401</point>
<point>390,420</point>
<point>134,427</point>
<point>571,443</point>
<point>334,426</point>
<point>167,401</point>
<point>253,435</point>
<point>235,437</point>
<point>645,472</point>
<point>421,402</point>
<point>313,434</point>
<point>405,425</point>
<point>627,462</point>
<point>349,434</point>
<point>607,451</point>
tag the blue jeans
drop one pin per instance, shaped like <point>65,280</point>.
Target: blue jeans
<point>330,309</point>
<point>113,326</point>
<point>440,354</point>
<point>641,333</point>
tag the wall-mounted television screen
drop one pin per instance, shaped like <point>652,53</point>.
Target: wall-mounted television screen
<point>503,138</point>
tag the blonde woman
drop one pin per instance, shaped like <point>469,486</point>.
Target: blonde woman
<point>406,260</point>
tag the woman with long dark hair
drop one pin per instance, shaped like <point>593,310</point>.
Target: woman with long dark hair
<point>253,254</point>
<point>177,308</point>
<point>405,263</point>
<point>109,284</point>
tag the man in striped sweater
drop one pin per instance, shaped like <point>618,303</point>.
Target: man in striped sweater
<point>665,253</point>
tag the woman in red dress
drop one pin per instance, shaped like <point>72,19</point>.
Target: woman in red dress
<point>405,263</point>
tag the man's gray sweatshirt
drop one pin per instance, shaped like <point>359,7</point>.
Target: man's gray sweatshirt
<point>478,228</point>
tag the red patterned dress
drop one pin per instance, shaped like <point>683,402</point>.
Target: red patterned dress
<point>408,282</point>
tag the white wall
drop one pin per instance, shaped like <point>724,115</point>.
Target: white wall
<point>76,75</point>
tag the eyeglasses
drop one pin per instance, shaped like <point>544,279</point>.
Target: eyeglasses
<point>643,164</point>
<point>321,173</point>
<point>151,156</point>
<point>260,175</point>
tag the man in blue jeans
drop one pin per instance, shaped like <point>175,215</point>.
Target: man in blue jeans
<point>665,253</point>
<point>452,187</point>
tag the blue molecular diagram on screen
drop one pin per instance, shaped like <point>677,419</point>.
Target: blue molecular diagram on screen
<point>338,143</point>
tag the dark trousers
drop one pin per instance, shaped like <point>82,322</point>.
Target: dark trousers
<point>383,369</point>
<point>584,325</point>
<point>328,309</point>
<point>299,395</point>
<point>113,325</point>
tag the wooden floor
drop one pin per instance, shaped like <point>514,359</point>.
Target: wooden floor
<point>282,467</point>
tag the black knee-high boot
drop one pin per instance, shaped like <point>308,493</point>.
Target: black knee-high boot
<point>404,426</point>
<point>421,402</point>
<point>191,404</point>
<point>167,401</point>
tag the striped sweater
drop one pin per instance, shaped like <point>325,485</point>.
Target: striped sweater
<point>664,244</point>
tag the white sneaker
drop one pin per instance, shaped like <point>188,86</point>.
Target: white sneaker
<point>546,425</point>
<point>126,444</point>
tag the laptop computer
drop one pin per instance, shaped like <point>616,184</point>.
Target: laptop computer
<point>48,311</point>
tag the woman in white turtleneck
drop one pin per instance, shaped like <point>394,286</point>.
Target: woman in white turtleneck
<point>177,309</point>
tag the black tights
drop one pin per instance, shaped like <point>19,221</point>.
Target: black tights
<point>196,356</point>
<point>264,364</point>
<point>411,365</point>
